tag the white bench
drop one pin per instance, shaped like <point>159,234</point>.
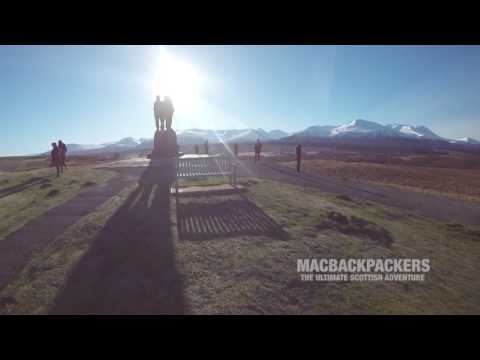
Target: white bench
<point>201,166</point>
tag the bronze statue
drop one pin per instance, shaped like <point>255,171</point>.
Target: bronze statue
<point>168,111</point>
<point>164,142</point>
<point>157,112</point>
<point>163,110</point>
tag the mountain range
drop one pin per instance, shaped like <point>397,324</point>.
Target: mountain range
<point>356,129</point>
<point>368,129</point>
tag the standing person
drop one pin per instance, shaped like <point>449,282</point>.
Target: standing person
<point>168,111</point>
<point>299,156</point>
<point>157,112</point>
<point>55,158</point>
<point>235,149</point>
<point>259,144</point>
<point>258,148</point>
<point>63,154</point>
<point>197,150</point>
<point>205,144</point>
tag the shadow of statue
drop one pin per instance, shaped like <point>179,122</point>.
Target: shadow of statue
<point>130,266</point>
<point>225,218</point>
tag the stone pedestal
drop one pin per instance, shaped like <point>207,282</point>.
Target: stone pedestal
<point>164,144</point>
<point>163,159</point>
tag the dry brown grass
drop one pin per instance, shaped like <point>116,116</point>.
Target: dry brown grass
<point>459,183</point>
<point>27,163</point>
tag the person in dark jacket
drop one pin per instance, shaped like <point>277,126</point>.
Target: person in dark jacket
<point>298,151</point>
<point>205,145</point>
<point>235,149</point>
<point>62,148</point>
<point>55,158</point>
<point>258,149</point>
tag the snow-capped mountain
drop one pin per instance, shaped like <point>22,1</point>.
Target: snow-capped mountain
<point>414,131</point>
<point>465,140</point>
<point>277,134</point>
<point>361,128</point>
<point>127,142</point>
<point>184,137</point>
<point>317,131</point>
<point>82,148</point>
<point>367,129</point>
<point>357,129</point>
<point>198,136</point>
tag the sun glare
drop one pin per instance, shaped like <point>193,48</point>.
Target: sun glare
<point>178,79</point>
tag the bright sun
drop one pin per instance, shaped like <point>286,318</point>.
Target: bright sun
<point>178,79</point>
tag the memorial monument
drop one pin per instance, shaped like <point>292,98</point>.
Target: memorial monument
<point>163,158</point>
<point>165,141</point>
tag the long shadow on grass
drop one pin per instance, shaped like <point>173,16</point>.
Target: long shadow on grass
<point>197,220</point>
<point>24,186</point>
<point>130,266</point>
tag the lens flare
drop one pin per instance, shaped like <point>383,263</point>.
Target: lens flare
<point>178,79</point>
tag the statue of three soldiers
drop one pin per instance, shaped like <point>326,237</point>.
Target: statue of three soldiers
<point>163,111</point>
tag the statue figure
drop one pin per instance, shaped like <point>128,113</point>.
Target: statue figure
<point>158,112</point>
<point>164,142</point>
<point>168,111</point>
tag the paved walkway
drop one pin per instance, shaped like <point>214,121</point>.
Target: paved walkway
<point>16,250</point>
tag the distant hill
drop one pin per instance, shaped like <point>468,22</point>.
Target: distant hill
<point>198,136</point>
<point>367,129</point>
<point>465,140</point>
<point>356,131</point>
<point>184,137</point>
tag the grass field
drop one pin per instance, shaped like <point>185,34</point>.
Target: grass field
<point>24,195</point>
<point>258,274</point>
<point>457,183</point>
<point>35,289</point>
<point>26,163</point>
<point>250,268</point>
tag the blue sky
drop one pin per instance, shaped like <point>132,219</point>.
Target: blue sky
<point>96,94</point>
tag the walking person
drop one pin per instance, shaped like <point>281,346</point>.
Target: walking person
<point>55,158</point>
<point>63,155</point>
<point>168,111</point>
<point>258,149</point>
<point>205,145</point>
<point>298,151</point>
